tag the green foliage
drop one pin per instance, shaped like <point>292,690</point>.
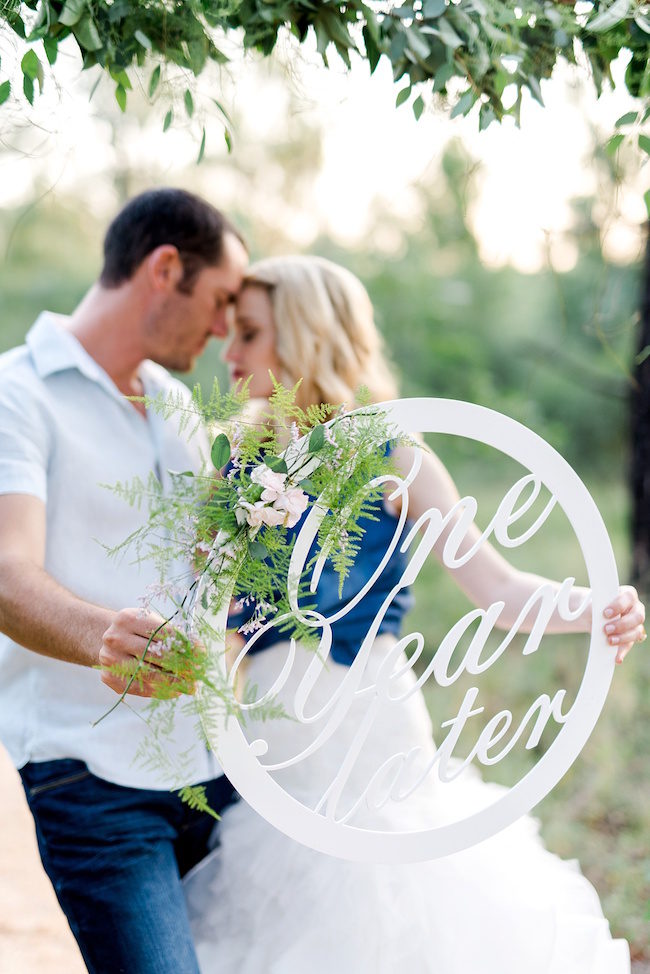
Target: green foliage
<point>216,522</point>
<point>486,45</point>
<point>220,451</point>
<point>195,797</point>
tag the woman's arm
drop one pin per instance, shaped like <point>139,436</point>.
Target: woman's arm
<point>487,577</point>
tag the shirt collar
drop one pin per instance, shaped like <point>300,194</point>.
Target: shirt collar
<point>54,348</point>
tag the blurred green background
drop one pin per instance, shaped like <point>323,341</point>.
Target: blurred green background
<point>551,349</point>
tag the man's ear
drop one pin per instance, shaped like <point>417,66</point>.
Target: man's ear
<point>164,268</point>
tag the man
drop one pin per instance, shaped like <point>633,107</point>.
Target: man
<point>113,839</point>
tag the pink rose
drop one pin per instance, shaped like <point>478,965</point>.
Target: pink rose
<point>260,513</point>
<point>272,482</point>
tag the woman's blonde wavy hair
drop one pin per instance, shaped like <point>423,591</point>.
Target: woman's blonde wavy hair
<point>325,330</point>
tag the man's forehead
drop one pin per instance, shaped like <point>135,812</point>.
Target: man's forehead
<point>234,251</point>
<point>228,274</point>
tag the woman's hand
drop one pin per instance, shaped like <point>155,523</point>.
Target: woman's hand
<point>624,618</point>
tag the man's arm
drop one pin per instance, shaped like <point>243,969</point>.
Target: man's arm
<point>36,611</point>
<point>40,614</point>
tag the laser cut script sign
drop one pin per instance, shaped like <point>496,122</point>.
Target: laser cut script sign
<point>355,773</point>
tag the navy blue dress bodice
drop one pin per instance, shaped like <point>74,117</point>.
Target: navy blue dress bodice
<point>349,632</point>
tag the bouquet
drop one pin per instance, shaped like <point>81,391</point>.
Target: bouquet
<point>237,524</point>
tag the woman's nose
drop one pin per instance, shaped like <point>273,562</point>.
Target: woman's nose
<point>229,353</point>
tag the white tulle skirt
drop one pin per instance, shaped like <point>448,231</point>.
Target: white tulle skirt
<point>263,904</point>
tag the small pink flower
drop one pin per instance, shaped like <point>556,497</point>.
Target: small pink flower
<point>272,482</point>
<point>260,513</point>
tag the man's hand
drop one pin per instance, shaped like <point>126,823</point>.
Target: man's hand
<point>126,662</point>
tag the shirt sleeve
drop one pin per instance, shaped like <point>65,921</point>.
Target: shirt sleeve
<point>25,442</point>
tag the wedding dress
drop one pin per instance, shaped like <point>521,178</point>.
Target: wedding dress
<point>264,904</point>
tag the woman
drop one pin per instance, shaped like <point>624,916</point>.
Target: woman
<point>266,904</point>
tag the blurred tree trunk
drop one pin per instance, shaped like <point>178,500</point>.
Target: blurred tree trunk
<point>640,432</point>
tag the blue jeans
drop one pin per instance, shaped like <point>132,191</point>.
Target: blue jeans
<point>115,857</point>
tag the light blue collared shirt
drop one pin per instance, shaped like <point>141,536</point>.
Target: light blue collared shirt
<point>66,430</point>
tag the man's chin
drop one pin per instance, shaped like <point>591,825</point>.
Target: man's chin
<point>176,363</point>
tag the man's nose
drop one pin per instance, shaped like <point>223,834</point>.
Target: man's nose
<point>220,324</point>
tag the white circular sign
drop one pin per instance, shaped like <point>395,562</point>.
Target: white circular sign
<point>241,759</point>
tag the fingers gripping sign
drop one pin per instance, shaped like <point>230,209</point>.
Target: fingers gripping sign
<point>624,625</point>
<point>133,657</point>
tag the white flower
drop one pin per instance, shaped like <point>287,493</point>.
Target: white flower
<point>271,481</point>
<point>295,502</point>
<point>260,513</point>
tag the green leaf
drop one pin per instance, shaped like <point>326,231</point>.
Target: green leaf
<point>5,91</point>
<point>628,119</point>
<point>276,464</point>
<point>223,111</point>
<point>417,43</point>
<point>120,97</point>
<point>535,89</point>
<point>87,35</point>
<point>28,88</point>
<point>228,139</point>
<point>73,11</point>
<point>122,78</point>
<point>30,65</point>
<point>448,35</point>
<point>154,81</point>
<point>317,439</point>
<point>403,96</point>
<point>220,452</point>
<point>143,40</point>
<point>119,10</point>
<point>257,550</point>
<point>609,16</point>
<point>17,26</point>
<point>94,88</point>
<point>168,119</point>
<point>418,107</point>
<point>443,75</point>
<point>486,117</point>
<point>51,46</point>
<point>372,50</point>
<point>464,104</point>
<point>433,8</point>
<point>644,144</point>
<point>308,485</point>
<point>201,149</point>
<point>254,493</point>
<point>646,200</point>
<point>189,102</point>
<point>612,145</point>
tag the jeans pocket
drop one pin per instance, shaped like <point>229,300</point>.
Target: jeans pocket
<point>45,776</point>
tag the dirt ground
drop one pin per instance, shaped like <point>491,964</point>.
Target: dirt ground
<point>34,936</point>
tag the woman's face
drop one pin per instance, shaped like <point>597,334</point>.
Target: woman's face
<point>250,350</point>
